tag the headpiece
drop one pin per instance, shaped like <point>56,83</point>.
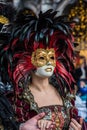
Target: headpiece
<point>6,13</point>
<point>30,32</point>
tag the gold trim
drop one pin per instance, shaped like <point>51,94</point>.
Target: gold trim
<point>29,98</point>
<point>4,20</point>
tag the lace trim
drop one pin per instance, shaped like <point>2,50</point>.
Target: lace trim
<point>29,98</point>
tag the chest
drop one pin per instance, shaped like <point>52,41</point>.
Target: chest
<point>47,98</point>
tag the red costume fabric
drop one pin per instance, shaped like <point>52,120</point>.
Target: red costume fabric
<point>26,107</point>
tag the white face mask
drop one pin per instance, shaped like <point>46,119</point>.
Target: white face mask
<point>45,71</point>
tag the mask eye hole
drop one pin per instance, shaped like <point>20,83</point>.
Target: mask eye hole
<point>52,57</point>
<point>41,58</point>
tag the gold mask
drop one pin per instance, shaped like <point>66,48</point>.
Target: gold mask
<point>42,57</point>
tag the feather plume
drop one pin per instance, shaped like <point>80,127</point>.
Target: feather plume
<point>30,32</point>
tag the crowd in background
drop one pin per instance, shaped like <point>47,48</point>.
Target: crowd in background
<point>81,86</point>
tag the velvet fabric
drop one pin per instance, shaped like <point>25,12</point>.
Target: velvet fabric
<point>26,108</point>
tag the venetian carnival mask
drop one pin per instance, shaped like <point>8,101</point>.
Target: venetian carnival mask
<point>45,62</point>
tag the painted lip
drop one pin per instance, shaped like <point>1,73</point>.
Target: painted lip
<point>48,69</point>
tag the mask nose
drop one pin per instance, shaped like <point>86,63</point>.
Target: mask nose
<point>48,63</point>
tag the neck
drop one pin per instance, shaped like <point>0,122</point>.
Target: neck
<point>40,83</point>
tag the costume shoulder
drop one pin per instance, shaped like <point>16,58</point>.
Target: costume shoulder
<point>7,114</point>
<point>70,105</point>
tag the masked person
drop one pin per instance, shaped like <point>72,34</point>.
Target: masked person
<point>39,56</point>
<point>7,13</point>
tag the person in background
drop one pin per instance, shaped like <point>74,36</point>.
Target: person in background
<point>81,95</point>
<point>39,58</point>
<point>81,70</point>
<point>7,13</point>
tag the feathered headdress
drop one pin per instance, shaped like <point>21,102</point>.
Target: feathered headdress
<point>30,32</point>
